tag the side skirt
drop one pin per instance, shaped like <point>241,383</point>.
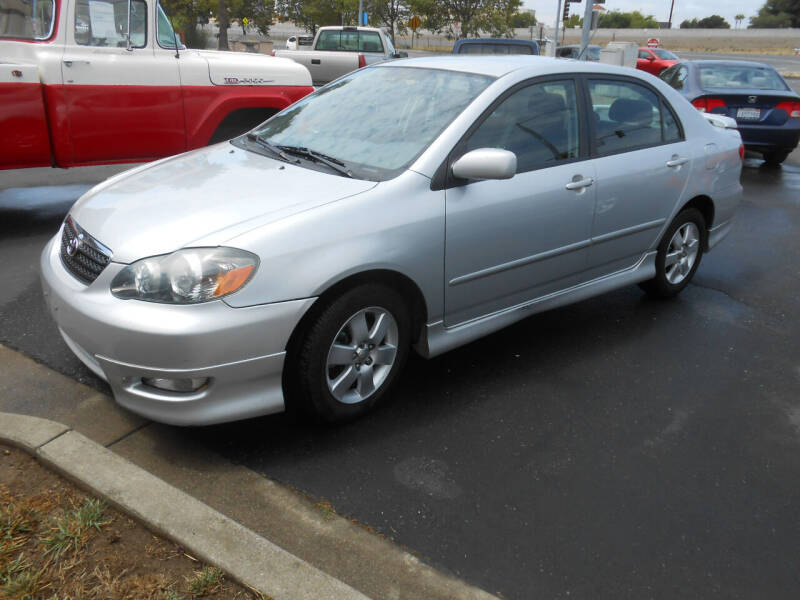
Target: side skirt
<point>437,339</point>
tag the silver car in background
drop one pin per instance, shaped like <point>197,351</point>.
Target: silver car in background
<point>414,204</point>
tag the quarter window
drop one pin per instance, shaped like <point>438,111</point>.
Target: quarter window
<point>105,23</point>
<point>627,116</point>
<point>538,123</point>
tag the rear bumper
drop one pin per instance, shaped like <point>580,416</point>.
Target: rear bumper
<point>767,137</point>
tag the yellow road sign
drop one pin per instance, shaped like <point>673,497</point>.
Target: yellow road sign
<point>414,22</point>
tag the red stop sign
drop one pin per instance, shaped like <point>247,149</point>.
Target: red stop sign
<point>653,43</point>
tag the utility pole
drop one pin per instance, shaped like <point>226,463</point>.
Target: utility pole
<point>361,12</point>
<point>587,27</point>
<point>671,8</point>
<point>555,29</point>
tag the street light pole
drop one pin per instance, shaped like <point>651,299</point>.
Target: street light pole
<point>555,29</point>
<point>671,8</point>
<point>361,12</point>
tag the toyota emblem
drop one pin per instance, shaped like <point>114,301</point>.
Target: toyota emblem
<point>752,99</point>
<point>73,246</point>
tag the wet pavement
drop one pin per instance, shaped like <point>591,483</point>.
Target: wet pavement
<point>617,448</point>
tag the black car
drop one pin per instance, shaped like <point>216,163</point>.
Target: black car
<point>765,107</point>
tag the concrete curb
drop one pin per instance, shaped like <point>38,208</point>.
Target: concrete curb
<point>206,533</point>
<point>790,74</point>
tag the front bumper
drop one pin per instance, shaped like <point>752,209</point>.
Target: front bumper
<point>240,350</point>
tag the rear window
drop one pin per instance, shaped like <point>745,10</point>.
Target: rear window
<point>495,49</point>
<point>350,41</point>
<point>26,19</point>
<point>665,54</point>
<point>740,77</point>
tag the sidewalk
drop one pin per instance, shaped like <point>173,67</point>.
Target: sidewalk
<point>265,535</point>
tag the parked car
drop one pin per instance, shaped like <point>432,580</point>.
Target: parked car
<point>295,42</point>
<point>77,89</point>
<point>495,46</point>
<point>592,52</point>
<point>766,109</point>
<point>655,60</point>
<point>339,50</point>
<point>301,263</point>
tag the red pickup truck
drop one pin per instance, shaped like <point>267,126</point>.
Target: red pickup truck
<point>103,81</point>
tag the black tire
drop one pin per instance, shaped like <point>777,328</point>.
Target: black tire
<point>776,157</point>
<point>660,286</point>
<point>307,372</point>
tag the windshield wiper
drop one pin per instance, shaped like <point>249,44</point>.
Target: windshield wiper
<point>253,137</point>
<point>318,157</point>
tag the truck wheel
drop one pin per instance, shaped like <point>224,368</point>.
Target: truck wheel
<point>239,122</point>
<point>350,355</point>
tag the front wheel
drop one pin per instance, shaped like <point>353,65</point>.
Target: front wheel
<point>350,355</point>
<point>679,254</point>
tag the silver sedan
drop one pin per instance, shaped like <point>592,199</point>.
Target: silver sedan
<point>418,204</point>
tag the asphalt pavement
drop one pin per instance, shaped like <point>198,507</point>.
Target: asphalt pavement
<point>617,448</point>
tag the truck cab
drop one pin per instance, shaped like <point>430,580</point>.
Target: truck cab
<point>103,81</point>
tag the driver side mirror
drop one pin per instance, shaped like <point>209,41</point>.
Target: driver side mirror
<point>400,55</point>
<point>651,57</point>
<point>486,163</point>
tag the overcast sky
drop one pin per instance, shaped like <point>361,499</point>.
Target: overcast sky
<point>684,9</point>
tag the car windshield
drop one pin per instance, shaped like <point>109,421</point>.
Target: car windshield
<point>740,76</point>
<point>665,54</point>
<point>593,52</point>
<point>378,120</point>
<point>26,19</point>
<point>494,48</point>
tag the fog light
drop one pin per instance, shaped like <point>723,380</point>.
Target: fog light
<point>176,385</point>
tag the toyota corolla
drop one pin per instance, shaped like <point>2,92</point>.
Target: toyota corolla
<point>417,204</point>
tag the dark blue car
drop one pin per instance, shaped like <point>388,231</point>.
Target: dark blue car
<point>495,46</point>
<point>765,107</point>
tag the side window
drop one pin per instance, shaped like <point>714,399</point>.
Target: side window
<point>672,132</point>
<point>369,41</point>
<point>105,23</point>
<point>667,74</point>
<point>166,36</point>
<point>680,77</point>
<point>626,115</point>
<point>644,54</point>
<point>538,123</point>
<point>328,40</point>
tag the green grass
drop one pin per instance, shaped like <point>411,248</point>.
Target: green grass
<point>205,581</point>
<point>68,532</point>
<point>19,581</point>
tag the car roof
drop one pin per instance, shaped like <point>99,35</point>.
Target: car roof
<point>498,66</point>
<point>495,41</point>
<point>728,63</point>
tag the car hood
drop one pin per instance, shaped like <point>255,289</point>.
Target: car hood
<point>201,198</point>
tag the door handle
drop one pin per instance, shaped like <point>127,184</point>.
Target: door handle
<point>677,161</point>
<point>69,63</point>
<point>581,183</point>
<point>315,61</point>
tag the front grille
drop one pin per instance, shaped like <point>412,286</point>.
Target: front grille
<point>82,255</point>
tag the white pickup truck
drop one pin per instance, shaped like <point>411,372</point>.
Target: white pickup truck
<point>103,81</point>
<point>339,50</point>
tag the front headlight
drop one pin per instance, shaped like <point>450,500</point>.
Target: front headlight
<point>187,276</point>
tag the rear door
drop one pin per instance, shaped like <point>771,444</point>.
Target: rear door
<point>643,163</point>
<point>512,240</point>
<point>121,103</point>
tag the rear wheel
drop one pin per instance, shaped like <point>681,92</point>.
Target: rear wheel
<point>775,157</point>
<point>350,355</point>
<point>679,254</point>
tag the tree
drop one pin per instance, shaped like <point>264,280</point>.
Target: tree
<point>777,13</point>
<point>629,20</point>
<point>739,18</point>
<point>311,14</point>
<point>574,20</point>
<point>712,22</point>
<point>523,20</point>
<point>393,13</point>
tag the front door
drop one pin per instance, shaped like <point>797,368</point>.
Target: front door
<point>122,104</point>
<point>509,241</point>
